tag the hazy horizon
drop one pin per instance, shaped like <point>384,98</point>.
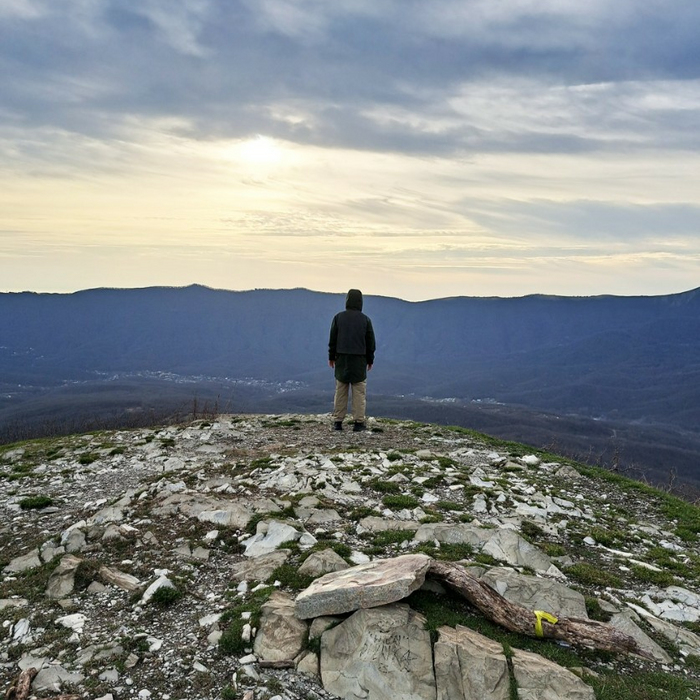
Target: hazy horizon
<point>340,292</point>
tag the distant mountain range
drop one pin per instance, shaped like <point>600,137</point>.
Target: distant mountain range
<point>620,359</point>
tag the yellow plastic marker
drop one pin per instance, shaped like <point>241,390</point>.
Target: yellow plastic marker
<point>542,615</point>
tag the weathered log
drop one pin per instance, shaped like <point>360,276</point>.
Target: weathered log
<point>21,688</point>
<point>513,617</point>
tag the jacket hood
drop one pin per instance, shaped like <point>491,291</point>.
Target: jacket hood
<point>354,300</point>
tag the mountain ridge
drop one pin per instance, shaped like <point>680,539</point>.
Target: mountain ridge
<point>629,359</point>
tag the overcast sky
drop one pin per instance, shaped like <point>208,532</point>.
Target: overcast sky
<point>412,148</point>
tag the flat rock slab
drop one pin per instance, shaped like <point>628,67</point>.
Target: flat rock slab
<point>23,563</point>
<point>379,654</point>
<point>448,533</point>
<point>62,580</point>
<point>536,593</point>
<point>469,665</point>
<point>373,523</point>
<point>510,547</point>
<point>365,586</point>
<point>269,537</point>
<point>324,562</point>
<point>281,635</point>
<point>624,621</point>
<point>541,679</point>
<point>260,568</point>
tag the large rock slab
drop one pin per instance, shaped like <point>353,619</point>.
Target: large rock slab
<point>281,635</point>
<point>625,622</point>
<point>510,547</point>
<point>541,679</point>
<point>459,533</point>
<point>62,580</point>
<point>269,537</point>
<point>365,586</point>
<point>373,523</point>
<point>52,678</point>
<point>260,568</point>
<point>206,509</point>
<point>23,563</point>
<point>685,640</point>
<point>469,665</point>
<point>379,654</point>
<point>323,562</point>
<point>536,593</point>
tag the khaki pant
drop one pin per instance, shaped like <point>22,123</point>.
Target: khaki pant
<point>359,401</point>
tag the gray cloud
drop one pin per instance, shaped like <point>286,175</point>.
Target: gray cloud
<point>233,68</point>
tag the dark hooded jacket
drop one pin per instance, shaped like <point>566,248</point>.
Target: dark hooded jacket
<point>351,345</point>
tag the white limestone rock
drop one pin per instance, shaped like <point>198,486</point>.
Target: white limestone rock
<point>541,679</point>
<point>62,580</point>
<point>536,593</point>
<point>469,665</point>
<point>23,563</point>
<point>379,654</point>
<point>458,533</point>
<point>508,546</point>
<point>365,586</point>
<point>117,578</point>
<point>624,621</point>
<point>323,562</point>
<point>281,635</point>
<point>260,568</point>
<point>269,537</point>
<point>52,678</point>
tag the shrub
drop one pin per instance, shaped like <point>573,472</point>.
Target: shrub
<point>658,578</point>
<point>166,596</point>
<point>591,575</point>
<point>35,502</point>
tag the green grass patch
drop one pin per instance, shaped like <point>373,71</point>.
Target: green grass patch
<point>647,685</point>
<point>261,463</point>
<point>591,575</point>
<point>35,502</point>
<point>531,530</point>
<point>361,512</point>
<point>447,552</point>
<point>88,458</point>
<point>391,537</point>
<point>400,501</point>
<point>384,486</point>
<point>607,536</point>
<point>231,642</point>
<point>449,505</point>
<point>595,611</point>
<point>662,579</point>
<point>288,575</point>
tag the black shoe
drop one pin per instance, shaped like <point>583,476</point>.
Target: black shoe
<point>358,427</point>
<point>338,425</point>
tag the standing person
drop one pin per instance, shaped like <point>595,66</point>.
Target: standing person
<point>351,353</point>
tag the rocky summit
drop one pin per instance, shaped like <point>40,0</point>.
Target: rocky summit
<point>267,557</point>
